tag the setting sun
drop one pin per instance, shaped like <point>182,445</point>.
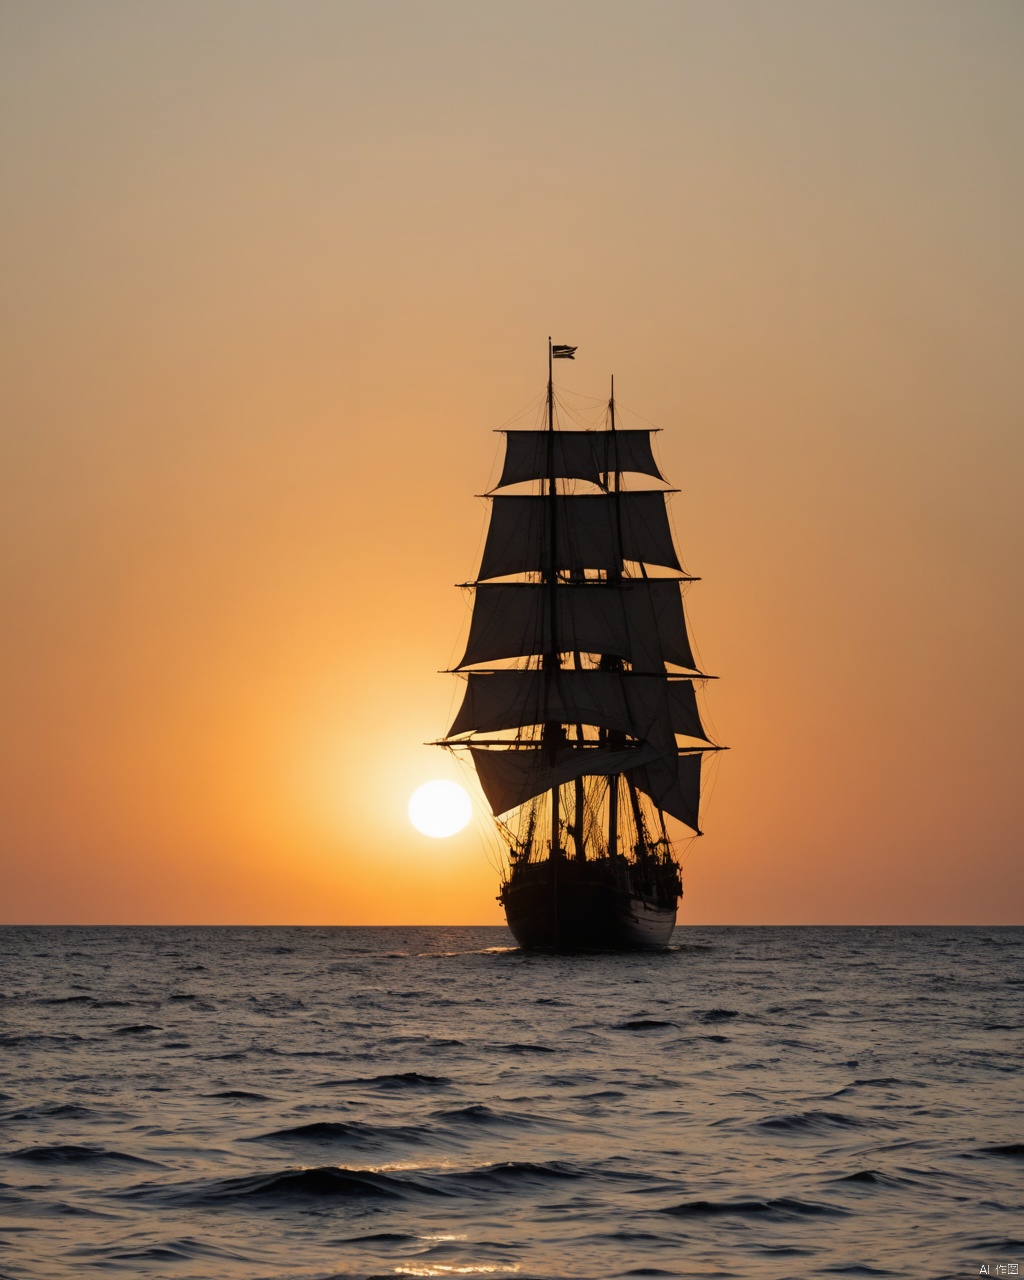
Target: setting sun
<point>439,809</point>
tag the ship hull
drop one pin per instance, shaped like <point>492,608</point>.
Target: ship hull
<point>566,905</point>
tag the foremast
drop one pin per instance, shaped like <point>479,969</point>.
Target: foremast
<point>628,695</point>
<point>610,662</point>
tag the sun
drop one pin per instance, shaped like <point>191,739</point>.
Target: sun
<point>439,808</point>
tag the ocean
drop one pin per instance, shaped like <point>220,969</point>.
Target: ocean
<point>253,1103</point>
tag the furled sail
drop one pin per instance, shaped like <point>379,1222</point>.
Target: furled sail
<point>645,706</point>
<point>577,455</point>
<point>511,778</point>
<point>593,531</point>
<point>638,619</point>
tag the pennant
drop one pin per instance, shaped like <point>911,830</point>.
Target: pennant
<point>561,352</point>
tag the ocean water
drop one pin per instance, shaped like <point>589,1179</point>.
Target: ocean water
<point>355,1102</point>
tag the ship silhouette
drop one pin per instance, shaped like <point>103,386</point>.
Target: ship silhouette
<point>580,714</point>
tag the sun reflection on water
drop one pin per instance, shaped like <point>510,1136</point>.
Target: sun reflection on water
<point>486,1269</point>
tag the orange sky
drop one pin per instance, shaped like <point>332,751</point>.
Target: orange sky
<point>274,271</point>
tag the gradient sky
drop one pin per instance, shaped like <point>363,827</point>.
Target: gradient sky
<point>275,271</point>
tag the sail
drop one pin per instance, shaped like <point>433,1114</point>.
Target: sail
<point>577,455</point>
<point>673,786</point>
<point>645,706</point>
<point>510,778</point>
<point>628,451</point>
<point>683,713</point>
<point>587,528</point>
<point>574,455</point>
<point>638,619</point>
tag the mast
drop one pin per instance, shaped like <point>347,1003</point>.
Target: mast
<point>613,778</point>
<point>578,832</point>
<point>578,829</point>
<point>552,731</point>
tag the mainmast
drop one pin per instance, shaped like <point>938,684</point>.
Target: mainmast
<point>552,730</point>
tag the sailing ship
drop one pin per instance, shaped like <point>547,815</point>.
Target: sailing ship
<point>580,714</point>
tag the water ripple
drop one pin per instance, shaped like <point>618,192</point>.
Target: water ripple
<point>299,1104</point>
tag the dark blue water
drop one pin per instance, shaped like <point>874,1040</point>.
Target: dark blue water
<point>430,1102</point>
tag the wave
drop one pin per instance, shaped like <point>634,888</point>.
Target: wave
<point>515,1173</point>
<point>649,1081</point>
<point>182,1250</point>
<point>1005,1244</point>
<point>872,1178</point>
<point>1014,1150</point>
<point>93,1001</point>
<point>239,1095</point>
<point>271,1051</point>
<point>478,1113</point>
<point>878,1082</point>
<point>644,1024</point>
<point>814,1122</point>
<point>557,1080</point>
<point>377,1237</point>
<point>856,1269</point>
<point>394,1081</point>
<point>136,1029</point>
<point>277,1003</point>
<point>717,1015</point>
<point>418,1043</point>
<point>318,1130</point>
<point>517,1047</point>
<point>324,1182</point>
<point>39,1039</point>
<point>42,1208</point>
<point>350,1131</point>
<point>785,1208</point>
<point>329,1182</point>
<point>631,1237</point>
<point>52,1111</point>
<point>69,1153</point>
